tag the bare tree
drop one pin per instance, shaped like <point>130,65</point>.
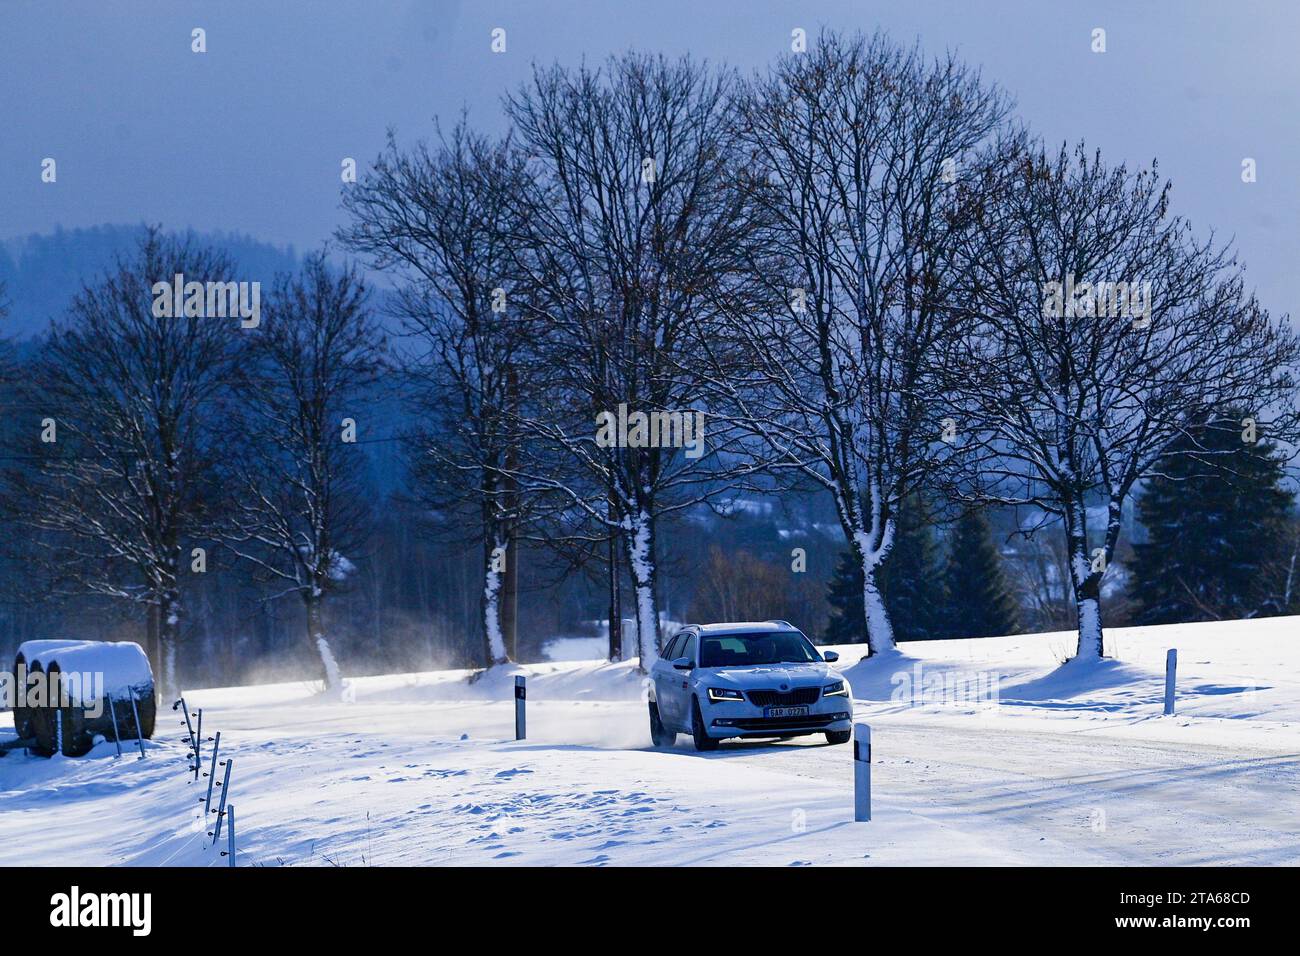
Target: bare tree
<point>1106,332</point>
<point>635,227</point>
<point>445,220</point>
<point>299,508</point>
<point>868,163</point>
<point>123,394</point>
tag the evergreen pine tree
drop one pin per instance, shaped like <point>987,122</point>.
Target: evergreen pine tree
<point>1218,529</point>
<point>979,601</point>
<point>908,579</point>
<point>911,577</point>
<point>848,619</point>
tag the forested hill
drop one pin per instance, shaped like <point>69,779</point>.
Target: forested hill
<point>41,273</point>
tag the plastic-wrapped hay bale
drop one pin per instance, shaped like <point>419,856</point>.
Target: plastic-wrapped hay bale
<point>26,661</point>
<point>94,677</point>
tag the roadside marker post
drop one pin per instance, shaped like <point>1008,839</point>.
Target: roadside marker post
<point>57,690</point>
<point>194,739</point>
<point>861,773</point>
<point>139,731</point>
<point>521,695</point>
<point>117,735</point>
<point>198,746</point>
<point>212,776</point>
<point>189,727</point>
<point>1171,668</point>
<point>221,807</point>
<point>230,835</point>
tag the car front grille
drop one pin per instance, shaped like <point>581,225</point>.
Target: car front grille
<point>778,698</point>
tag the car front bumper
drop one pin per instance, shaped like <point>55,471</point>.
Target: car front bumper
<point>735,719</point>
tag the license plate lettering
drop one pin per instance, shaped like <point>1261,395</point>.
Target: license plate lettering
<point>785,712</point>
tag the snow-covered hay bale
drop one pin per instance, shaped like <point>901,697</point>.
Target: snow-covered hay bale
<point>97,681</point>
<point>27,660</point>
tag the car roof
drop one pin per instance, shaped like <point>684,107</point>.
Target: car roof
<point>744,627</point>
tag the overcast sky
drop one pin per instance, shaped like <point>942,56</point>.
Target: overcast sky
<point>248,136</point>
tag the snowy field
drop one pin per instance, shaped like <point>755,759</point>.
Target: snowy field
<point>1072,765</point>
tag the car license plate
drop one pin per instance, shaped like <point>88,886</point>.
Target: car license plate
<point>785,711</point>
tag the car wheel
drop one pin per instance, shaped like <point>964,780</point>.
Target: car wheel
<point>660,735</point>
<point>699,735</point>
<point>838,736</point>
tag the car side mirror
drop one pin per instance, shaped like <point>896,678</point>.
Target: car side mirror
<point>682,663</point>
<point>830,657</point>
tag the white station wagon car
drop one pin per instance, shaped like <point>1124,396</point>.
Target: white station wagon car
<point>763,679</point>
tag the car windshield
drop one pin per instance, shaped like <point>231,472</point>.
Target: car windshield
<point>768,647</point>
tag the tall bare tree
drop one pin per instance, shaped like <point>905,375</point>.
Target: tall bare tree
<point>1106,335</point>
<point>868,162</point>
<point>122,398</point>
<point>444,219</point>
<point>300,512</point>
<point>635,225</point>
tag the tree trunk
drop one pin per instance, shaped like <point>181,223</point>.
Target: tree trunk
<point>510,599</point>
<point>870,553</point>
<point>316,635</point>
<point>494,644</point>
<point>169,630</point>
<point>880,632</point>
<point>615,629</point>
<point>510,606</point>
<point>153,647</point>
<point>1086,584</point>
<point>641,561</point>
<point>1088,611</point>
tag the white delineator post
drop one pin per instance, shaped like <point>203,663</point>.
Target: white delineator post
<point>1171,667</point>
<point>521,694</point>
<point>861,773</point>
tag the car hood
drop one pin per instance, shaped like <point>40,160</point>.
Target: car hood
<point>773,675</point>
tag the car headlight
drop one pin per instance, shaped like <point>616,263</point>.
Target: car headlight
<point>725,693</point>
<point>838,689</point>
